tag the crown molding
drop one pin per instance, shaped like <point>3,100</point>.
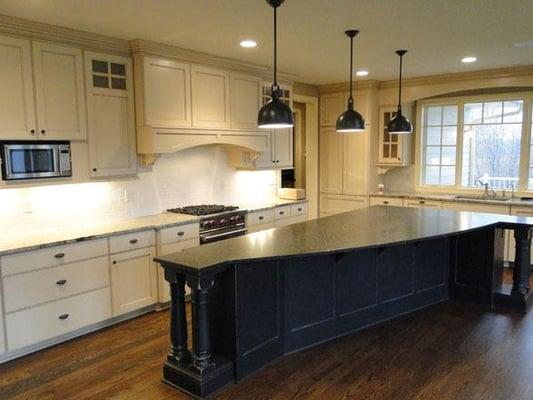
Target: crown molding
<point>71,37</point>
<point>494,73</point>
<point>155,49</point>
<point>345,86</point>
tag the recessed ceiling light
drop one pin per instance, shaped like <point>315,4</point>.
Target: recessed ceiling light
<point>525,45</point>
<point>248,43</point>
<point>468,60</point>
<point>362,73</point>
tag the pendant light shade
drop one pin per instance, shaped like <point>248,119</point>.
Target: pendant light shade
<point>275,114</point>
<point>399,124</point>
<point>350,120</point>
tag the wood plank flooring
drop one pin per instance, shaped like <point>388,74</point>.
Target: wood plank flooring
<point>447,352</point>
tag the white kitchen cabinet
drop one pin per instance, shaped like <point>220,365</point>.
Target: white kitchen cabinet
<point>414,203</point>
<point>331,106</point>
<point>476,207</point>
<point>17,107</point>
<point>394,150</point>
<point>133,280</point>
<point>354,163</point>
<point>110,109</point>
<point>385,201</point>
<point>283,148</point>
<point>59,92</point>
<point>167,93</point>
<point>210,97</point>
<point>2,336</point>
<point>331,204</point>
<point>331,153</point>
<point>245,97</point>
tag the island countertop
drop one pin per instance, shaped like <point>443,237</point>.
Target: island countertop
<point>364,228</point>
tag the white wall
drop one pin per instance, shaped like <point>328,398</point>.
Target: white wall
<point>193,176</point>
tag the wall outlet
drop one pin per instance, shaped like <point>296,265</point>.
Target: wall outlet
<point>27,207</point>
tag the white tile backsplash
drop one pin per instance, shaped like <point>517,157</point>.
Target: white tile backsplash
<point>193,176</point>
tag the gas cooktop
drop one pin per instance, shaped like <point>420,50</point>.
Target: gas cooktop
<point>204,209</point>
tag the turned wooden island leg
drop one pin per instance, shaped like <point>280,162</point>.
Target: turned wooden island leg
<point>522,263</point>
<point>201,354</point>
<point>178,319</point>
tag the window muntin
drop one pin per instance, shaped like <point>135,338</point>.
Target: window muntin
<point>492,133</point>
<point>439,154</point>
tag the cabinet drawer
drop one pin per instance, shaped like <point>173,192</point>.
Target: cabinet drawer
<point>290,220</point>
<point>421,203</point>
<point>260,227</point>
<point>298,209</point>
<point>282,212</point>
<point>33,288</point>
<point>259,217</point>
<point>179,233</point>
<point>131,241</point>
<point>44,322</point>
<point>53,256</point>
<point>386,201</point>
<point>522,211</point>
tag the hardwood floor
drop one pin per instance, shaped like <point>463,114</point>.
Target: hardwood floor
<point>451,351</point>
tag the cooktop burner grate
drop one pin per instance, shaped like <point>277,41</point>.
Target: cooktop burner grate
<point>204,209</point>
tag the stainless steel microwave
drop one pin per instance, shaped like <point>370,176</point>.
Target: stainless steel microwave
<point>35,159</point>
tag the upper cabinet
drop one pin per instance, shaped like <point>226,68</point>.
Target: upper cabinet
<point>331,106</point>
<point>59,91</point>
<point>394,150</point>
<point>50,107</point>
<point>245,100</point>
<point>210,97</point>
<point>110,109</point>
<point>167,93</point>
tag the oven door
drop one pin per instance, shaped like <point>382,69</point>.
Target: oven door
<point>221,234</point>
<point>29,161</point>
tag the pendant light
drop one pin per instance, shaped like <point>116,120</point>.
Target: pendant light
<point>399,124</point>
<point>275,114</point>
<point>350,120</point>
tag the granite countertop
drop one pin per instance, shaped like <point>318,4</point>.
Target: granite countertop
<point>363,228</point>
<point>14,243</point>
<point>454,198</point>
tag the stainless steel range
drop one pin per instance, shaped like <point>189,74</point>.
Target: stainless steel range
<point>220,222</point>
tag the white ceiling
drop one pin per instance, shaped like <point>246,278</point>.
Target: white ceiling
<point>437,33</point>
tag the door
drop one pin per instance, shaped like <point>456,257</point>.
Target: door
<point>210,97</point>
<point>283,141</point>
<point>330,161</point>
<point>110,115</point>
<point>245,95</point>
<point>59,92</point>
<point>167,93</point>
<point>17,109</point>
<point>133,280</point>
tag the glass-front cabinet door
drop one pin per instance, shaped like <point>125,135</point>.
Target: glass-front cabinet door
<point>393,149</point>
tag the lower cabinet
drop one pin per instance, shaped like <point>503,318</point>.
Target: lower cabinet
<point>37,324</point>
<point>2,338</point>
<point>278,216</point>
<point>331,204</point>
<point>133,280</point>
<point>421,203</point>
<point>386,201</point>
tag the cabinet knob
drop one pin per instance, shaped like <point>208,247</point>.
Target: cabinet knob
<point>422,202</point>
<point>61,282</point>
<point>32,131</point>
<point>63,316</point>
<point>94,169</point>
<point>261,217</point>
<point>281,212</point>
<point>59,255</point>
<point>133,241</point>
<point>181,233</point>
<point>43,131</point>
<point>114,262</point>
<point>300,209</point>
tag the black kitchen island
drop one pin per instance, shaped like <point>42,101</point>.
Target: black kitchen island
<point>270,293</point>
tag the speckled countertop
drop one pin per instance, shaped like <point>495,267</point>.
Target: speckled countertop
<point>363,228</point>
<point>454,198</point>
<point>14,243</point>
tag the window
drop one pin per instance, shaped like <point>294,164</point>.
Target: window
<point>468,143</point>
<point>440,127</point>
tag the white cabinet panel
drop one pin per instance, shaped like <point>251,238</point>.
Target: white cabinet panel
<point>179,233</point>
<point>59,92</point>
<point>331,106</point>
<point>422,204</point>
<point>290,220</point>
<point>110,115</point>
<point>354,163</point>
<point>260,227</point>
<point>131,241</point>
<point>2,337</point>
<point>47,321</point>
<point>283,147</point>
<point>17,112</point>
<point>331,204</point>
<point>386,201</point>
<point>476,207</point>
<point>167,93</point>
<point>133,280</point>
<point>245,93</point>
<point>331,153</point>
<point>210,97</point>
<point>299,209</point>
<point>33,288</point>
<point>282,212</point>
<point>259,217</point>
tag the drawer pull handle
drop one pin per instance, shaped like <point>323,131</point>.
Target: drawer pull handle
<point>133,241</point>
<point>59,255</point>
<point>61,282</point>
<point>63,316</point>
<point>422,202</point>
<point>181,233</point>
<point>114,262</point>
<point>385,202</point>
<point>300,209</point>
<point>261,217</point>
<point>281,212</point>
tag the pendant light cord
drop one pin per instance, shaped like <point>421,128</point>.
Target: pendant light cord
<point>400,84</point>
<point>350,100</point>
<point>275,86</point>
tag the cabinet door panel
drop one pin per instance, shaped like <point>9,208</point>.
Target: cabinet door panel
<point>167,93</point>
<point>210,97</point>
<point>110,115</point>
<point>2,339</point>
<point>283,147</point>
<point>331,106</point>
<point>133,280</point>
<point>17,112</point>
<point>59,91</point>
<point>354,170</point>
<point>330,161</point>
<point>245,93</point>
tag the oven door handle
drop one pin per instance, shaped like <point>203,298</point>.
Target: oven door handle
<point>209,237</point>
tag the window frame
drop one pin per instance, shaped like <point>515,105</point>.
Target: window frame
<point>460,101</point>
